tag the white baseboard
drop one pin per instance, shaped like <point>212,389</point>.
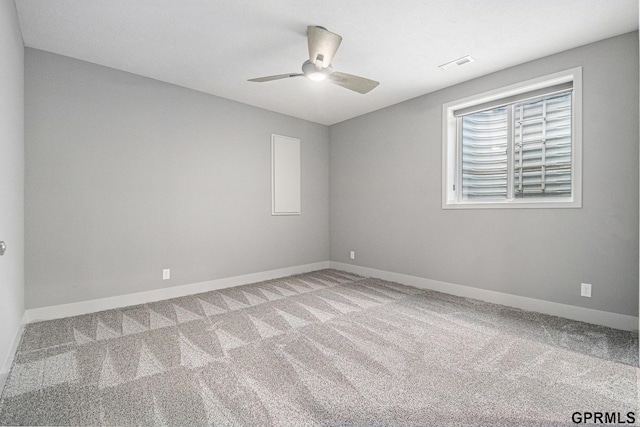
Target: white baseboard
<point>6,366</point>
<point>92,306</point>
<point>598,317</point>
<point>612,320</point>
<point>3,381</point>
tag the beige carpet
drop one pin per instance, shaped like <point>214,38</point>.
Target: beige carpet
<point>324,348</point>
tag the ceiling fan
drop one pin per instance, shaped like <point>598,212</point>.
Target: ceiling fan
<point>323,45</point>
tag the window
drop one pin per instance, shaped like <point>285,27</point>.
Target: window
<point>519,146</point>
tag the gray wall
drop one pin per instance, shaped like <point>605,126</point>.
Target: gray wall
<point>126,176</point>
<point>11,176</point>
<point>385,187</point>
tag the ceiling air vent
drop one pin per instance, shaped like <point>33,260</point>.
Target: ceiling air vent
<point>456,63</point>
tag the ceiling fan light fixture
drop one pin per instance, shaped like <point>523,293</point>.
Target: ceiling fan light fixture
<point>317,77</point>
<point>311,71</point>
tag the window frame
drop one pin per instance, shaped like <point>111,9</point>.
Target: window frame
<point>451,150</point>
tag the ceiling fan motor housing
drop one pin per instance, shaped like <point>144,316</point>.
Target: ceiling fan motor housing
<point>310,70</point>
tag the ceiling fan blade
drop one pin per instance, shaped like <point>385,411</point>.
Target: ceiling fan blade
<point>355,83</point>
<point>322,42</point>
<point>276,77</point>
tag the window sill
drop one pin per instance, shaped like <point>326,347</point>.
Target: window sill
<point>552,204</point>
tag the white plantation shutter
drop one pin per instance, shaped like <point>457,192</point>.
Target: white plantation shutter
<point>518,150</point>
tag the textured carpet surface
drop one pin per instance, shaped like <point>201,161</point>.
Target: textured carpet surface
<point>323,348</point>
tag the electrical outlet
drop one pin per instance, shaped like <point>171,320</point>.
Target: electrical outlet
<point>166,274</point>
<point>352,255</point>
<point>585,290</point>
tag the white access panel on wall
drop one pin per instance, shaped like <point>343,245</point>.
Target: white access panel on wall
<point>285,175</point>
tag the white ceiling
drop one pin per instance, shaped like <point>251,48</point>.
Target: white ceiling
<point>214,46</point>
